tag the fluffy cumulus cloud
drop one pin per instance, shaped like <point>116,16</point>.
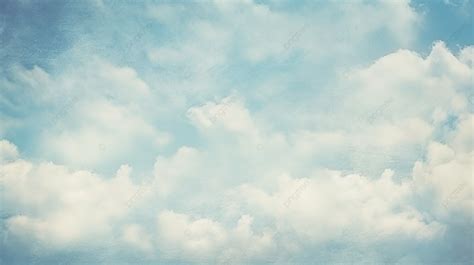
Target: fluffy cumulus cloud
<point>236,132</point>
<point>57,206</point>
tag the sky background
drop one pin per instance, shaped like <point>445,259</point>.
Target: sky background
<point>236,132</point>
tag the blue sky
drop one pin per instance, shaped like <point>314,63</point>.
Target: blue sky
<point>236,132</point>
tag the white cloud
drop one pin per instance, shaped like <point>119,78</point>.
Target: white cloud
<point>57,206</point>
<point>209,241</point>
<point>228,114</point>
<point>377,208</point>
<point>439,153</point>
<point>137,237</point>
<point>197,239</point>
<point>263,32</point>
<point>448,170</point>
<point>182,167</point>
<point>98,132</point>
<point>466,55</point>
<point>123,80</point>
<point>404,77</point>
<point>93,115</point>
<point>8,151</point>
<point>463,138</point>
